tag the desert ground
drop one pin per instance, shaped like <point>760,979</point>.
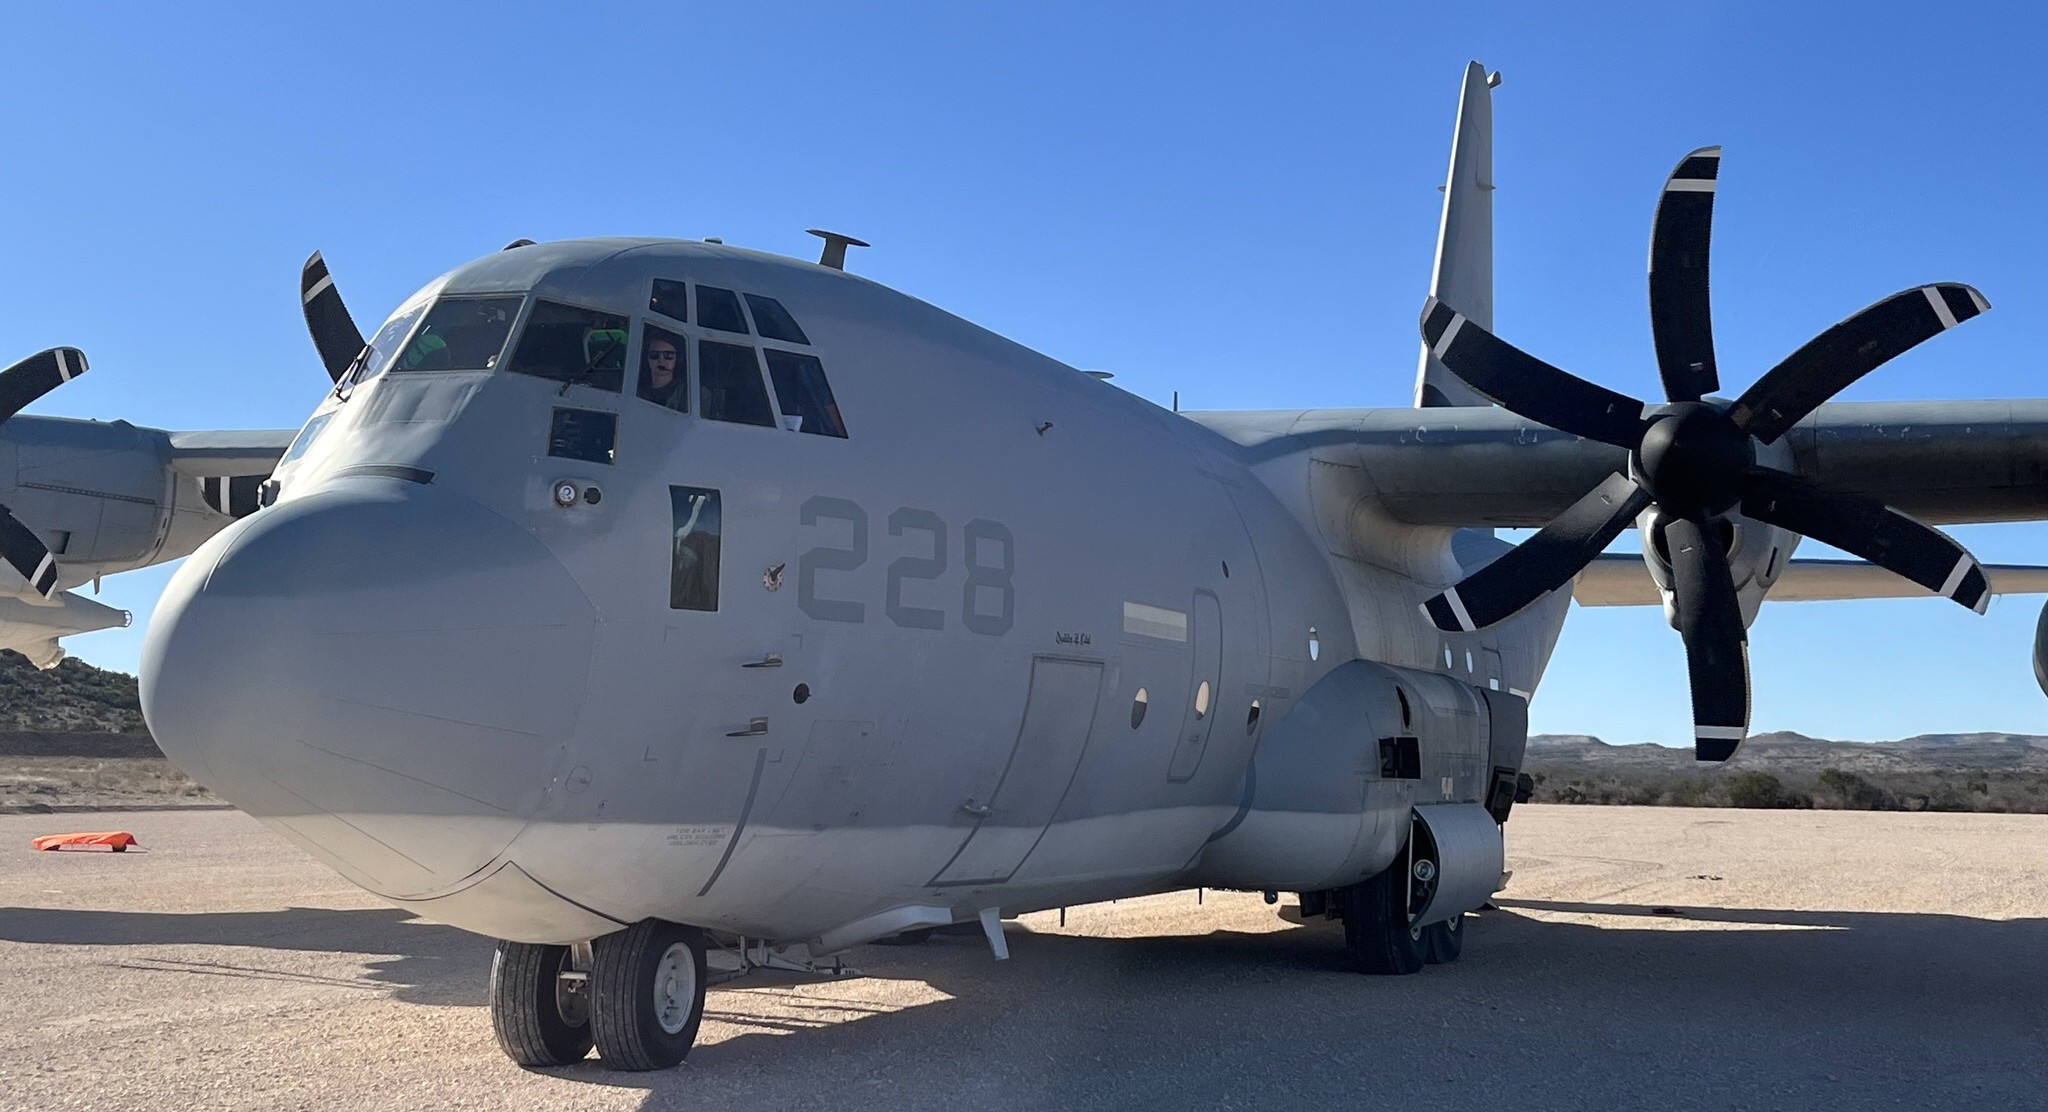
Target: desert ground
<point>1661,958</point>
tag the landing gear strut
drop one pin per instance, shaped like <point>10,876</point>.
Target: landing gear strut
<point>647,995</point>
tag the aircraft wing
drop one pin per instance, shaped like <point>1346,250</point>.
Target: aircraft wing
<point>33,629</point>
<point>1944,463</point>
<point>232,452</point>
<point>1621,579</point>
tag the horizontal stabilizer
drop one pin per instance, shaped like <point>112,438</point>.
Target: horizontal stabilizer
<point>1621,579</point>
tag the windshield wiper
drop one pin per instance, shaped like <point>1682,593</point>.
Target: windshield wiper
<point>589,368</point>
<point>347,379</point>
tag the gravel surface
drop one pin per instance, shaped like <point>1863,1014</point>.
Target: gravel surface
<point>1641,958</point>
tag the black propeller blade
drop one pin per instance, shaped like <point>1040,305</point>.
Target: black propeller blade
<point>1696,460</point>
<point>1868,528</point>
<point>1544,562</point>
<point>1524,384</point>
<point>335,334</point>
<point>1716,643</point>
<point>20,385</point>
<point>37,375</point>
<point>1832,360</point>
<point>27,554</point>
<point>1679,317</point>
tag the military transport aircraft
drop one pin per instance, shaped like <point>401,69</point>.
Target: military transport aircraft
<point>628,600</point>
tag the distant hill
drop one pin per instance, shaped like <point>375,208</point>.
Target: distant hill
<point>1784,750</point>
<point>72,697</point>
<point>1930,772</point>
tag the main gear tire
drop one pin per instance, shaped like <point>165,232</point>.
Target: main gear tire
<point>647,997</point>
<point>1377,936</point>
<point>540,1018</point>
<point>1445,940</point>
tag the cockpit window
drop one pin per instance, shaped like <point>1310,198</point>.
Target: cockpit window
<point>306,437</point>
<point>664,368</point>
<point>720,309</point>
<point>805,396</point>
<point>671,299</point>
<point>693,549</point>
<point>730,377</point>
<point>377,354</point>
<point>568,344</point>
<point>774,321</point>
<point>460,334</point>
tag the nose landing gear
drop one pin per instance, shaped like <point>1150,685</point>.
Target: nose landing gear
<point>540,1004</point>
<point>648,994</point>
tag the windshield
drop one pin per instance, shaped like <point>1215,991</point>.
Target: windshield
<point>306,437</point>
<point>571,344</point>
<point>460,334</point>
<point>377,355</point>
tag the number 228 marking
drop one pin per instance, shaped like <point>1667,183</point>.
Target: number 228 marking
<point>988,597</point>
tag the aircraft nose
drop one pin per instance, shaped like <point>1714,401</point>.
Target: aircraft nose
<point>385,671</point>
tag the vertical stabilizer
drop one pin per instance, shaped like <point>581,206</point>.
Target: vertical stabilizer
<point>1463,278</point>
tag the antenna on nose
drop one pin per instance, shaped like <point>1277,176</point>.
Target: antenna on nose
<point>834,254</point>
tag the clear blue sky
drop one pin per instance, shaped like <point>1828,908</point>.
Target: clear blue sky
<point>1236,203</point>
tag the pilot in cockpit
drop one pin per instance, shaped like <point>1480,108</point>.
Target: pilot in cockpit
<point>663,379</point>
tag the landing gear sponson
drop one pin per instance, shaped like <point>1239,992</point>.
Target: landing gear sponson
<point>637,995</point>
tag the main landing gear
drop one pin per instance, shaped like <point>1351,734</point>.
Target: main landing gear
<point>1380,935</point>
<point>637,994</point>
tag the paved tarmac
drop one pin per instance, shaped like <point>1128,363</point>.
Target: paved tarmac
<point>1641,958</point>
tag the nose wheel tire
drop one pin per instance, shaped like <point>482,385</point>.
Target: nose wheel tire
<point>540,1019</point>
<point>1444,941</point>
<point>1376,932</point>
<point>647,996</point>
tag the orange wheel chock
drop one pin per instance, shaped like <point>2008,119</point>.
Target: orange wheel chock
<point>114,841</point>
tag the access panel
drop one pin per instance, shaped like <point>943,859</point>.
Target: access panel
<point>1059,712</point>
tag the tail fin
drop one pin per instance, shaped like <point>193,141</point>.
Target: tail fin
<point>1463,278</point>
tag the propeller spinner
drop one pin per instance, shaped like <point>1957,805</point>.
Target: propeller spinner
<point>1695,459</point>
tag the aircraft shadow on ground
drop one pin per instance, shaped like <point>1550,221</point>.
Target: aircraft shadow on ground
<point>1808,1006</point>
<point>425,963</point>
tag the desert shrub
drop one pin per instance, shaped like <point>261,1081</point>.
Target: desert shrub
<point>72,696</point>
<point>1846,790</point>
<point>1757,789</point>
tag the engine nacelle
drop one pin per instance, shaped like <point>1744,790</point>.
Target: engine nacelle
<point>97,493</point>
<point>1757,555</point>
<point>1329,795</point>
<point>1757,552</point>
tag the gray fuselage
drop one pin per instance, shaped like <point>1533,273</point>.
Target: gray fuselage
<point>921,681</point>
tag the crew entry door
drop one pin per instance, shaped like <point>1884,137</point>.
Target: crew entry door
<point>1059,712</point>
